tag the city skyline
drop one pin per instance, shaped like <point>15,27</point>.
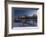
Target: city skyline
<point>24,17</point>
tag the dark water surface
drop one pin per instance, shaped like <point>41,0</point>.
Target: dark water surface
<point>19,23</point>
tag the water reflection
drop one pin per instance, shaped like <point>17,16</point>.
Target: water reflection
<point>25,21</point>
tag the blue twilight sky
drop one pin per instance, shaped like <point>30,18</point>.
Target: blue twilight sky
<point>23,11</point>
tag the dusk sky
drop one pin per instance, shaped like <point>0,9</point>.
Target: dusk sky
<point>24,11</point>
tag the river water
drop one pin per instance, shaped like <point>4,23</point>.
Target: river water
<point>28,23</point>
